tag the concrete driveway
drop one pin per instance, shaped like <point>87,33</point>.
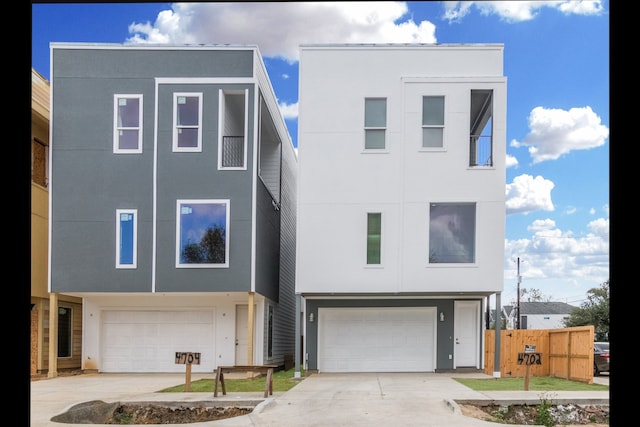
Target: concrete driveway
<point>365,399</point>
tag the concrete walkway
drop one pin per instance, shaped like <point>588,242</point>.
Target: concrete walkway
<point>364,399</point>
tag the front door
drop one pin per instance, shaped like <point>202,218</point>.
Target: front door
<point>467,334</point>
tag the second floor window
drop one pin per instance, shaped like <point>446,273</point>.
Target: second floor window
<point>432,121</point>
<point>202,233</point>
<point>375,123</point>
<point>374,238</point>
<point>452,233</point>
<point>187,122</point>
<point>126,238</point>
<point>127,128</point>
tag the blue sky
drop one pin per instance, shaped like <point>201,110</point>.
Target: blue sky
<point>556,60</point>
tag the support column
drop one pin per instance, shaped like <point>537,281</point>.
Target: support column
<point>498,331</point>
<point>250,328</point>
<point>296,373</point>
<point>53,336</point>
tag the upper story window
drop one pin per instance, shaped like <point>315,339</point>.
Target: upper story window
<point>127,123</point>
<point>187,122</point>
<point>452,233</point>
<point>375,123</point>
<point>232,148</point>
<point>126,238</point>
<point>374,238</point>
<point>481,128</point>
<point>202,233</point>
<point>432,121</point>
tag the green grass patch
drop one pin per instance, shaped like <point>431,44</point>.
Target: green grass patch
<point>535,384</point>
<point>282,381</point>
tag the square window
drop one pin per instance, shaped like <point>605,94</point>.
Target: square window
<point>202,233</point>
<point>452,233</point>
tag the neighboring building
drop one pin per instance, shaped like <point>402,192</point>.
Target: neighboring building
<point>67,345</point>
<point>538,315</point>
<point>401,204</point>
<point>173,205</point>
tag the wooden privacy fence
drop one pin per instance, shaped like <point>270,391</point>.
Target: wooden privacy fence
<point>566,353</point>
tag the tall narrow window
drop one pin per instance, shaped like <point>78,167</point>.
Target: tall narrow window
<point>127,127</point>
<point>64,331</point>
<point>452,233</point>
<point>187,119</point>
<point>375,123</point>
<point>433,121</point>
<point>232,148</point>
<point>374,234</point>
<point>481,128</point>
<point>126,238</point>
<point>202,233</point>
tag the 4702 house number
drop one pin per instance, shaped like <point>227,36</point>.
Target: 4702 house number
<point>529,359</point>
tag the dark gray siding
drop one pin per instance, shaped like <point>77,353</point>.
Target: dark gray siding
<point>267,245</point>
<point>89,182</point>
<point>285,310</point>
<point>186,175</point>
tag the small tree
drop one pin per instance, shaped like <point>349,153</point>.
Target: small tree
<point>594,311</point>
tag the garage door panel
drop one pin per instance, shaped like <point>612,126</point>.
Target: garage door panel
<point>368,339</point>
<point>146,341</point>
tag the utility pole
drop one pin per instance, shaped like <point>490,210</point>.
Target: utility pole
<point>518,298</point>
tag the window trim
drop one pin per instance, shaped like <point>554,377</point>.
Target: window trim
<point>369,237</point>
<point>198,147</point>
<point>375,128</point>
<point>179,205</point>
<point>116,129</point>
<point>442,126</point>
<point>134,242</point>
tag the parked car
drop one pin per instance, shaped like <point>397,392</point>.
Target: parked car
<point>600,358</point>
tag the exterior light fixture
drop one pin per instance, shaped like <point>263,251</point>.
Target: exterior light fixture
<point>441,316</point>
<point>311,318</point>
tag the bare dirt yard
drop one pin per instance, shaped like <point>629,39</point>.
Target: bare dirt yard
<point>557,415</point>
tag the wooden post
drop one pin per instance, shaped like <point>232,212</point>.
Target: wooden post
<point>526,377</point>
<point>187,380</point>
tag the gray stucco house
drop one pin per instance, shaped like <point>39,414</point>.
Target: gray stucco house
<point>172,205</point>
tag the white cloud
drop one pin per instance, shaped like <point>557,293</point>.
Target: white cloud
<point>557,262</point>
<point>555,132</point>
<point>527,194</point>
<point>263,24</point>
<point>511,161</point>
<point>570,210</point>
<point>518,11</point>
<point>289,111</point>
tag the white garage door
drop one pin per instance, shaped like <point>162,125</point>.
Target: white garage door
<point>146,341</point>
<point>399,339</point>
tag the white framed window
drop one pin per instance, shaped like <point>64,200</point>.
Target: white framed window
<point>452,233</point>
<point>432,121</point>
<point>202,233</point>
<point>127,124</point>
<point>187,122</point>
<point>375,123</point>
<point>126,238</point>
<point>232,142</point>
<point>374,238</point>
